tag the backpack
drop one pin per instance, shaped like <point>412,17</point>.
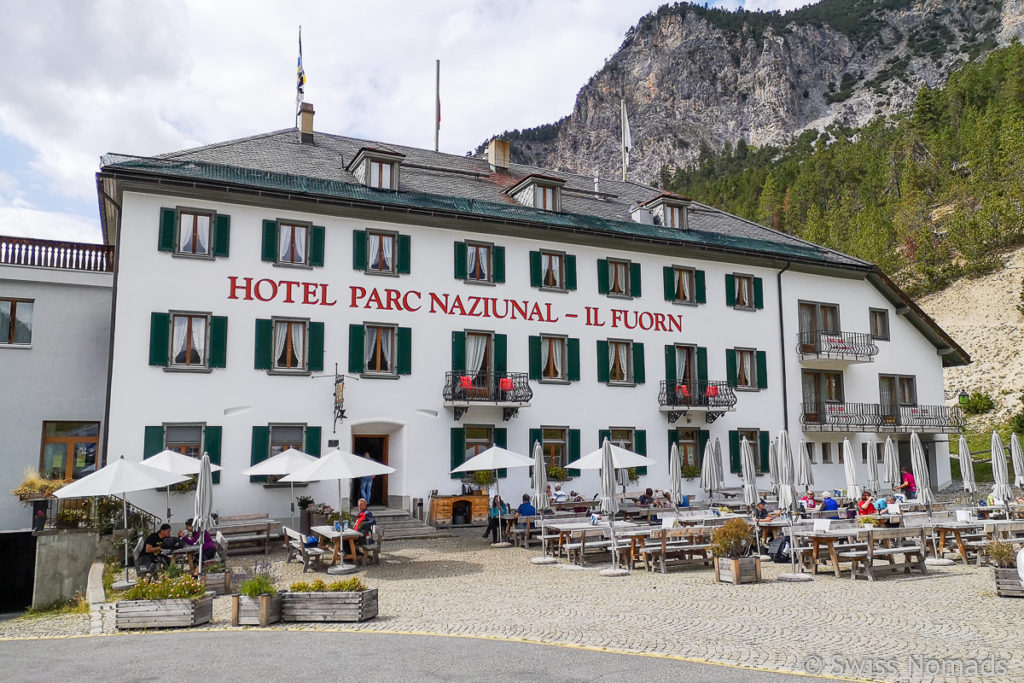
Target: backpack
<point>779,550</point>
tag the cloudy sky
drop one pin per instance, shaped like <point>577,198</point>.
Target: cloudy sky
<point>82,78</point>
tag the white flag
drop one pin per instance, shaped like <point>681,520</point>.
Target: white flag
<point>627,140</point>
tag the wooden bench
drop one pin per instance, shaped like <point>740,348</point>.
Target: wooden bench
<point>523,531</point>
<point>297,548</point>
<point>1002,531</point>
<point>677,548</point>
<point>886,544</point>
<point>582,540</point>
<point>249,531</point>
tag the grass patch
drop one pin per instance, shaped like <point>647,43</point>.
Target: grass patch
<point>111,571</point>
<point>982,470</point>
<point>76,605</point>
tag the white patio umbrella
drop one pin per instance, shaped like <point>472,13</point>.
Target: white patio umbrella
<point>773,465</point>
<point>675,475</point>
<point>1000,475</point>
<point>890,463</point>
<point>708,476</point>
<point>119,478</point>
<point>494,459</point>
<point>748,473</point>
<point>784,462</point>
<point>920,467</point>
<point>540,494</point>
<point>849,469</point>
<point>286,462</point>
<point>719,470</point>
<point>804,472</point>
<point>178,463</point>
<point>201,521</point>
<point>967,466</point>
<point>1017,456</point>
<point>621,459</point>
<point>873,483</point>
<point>609,458</point>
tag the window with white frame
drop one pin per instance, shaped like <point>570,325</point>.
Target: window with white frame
<point>16,321</point>
<point>552,270</point>
<point>293,243</point>
<point>618,277</point>
<point>544,197</point>
<point>684,287</point>
<point>380,252</point>
<point>478,262</point>
<point>673,216</point>
<point>380,174</point>
<point>379,348</point>
<point>744,291</point>
<point>189,340</point>
<point>620,361</point>
<point>194,233</point>
<point>746,369</point>
<point>290,344</point>
<point>552,358</point>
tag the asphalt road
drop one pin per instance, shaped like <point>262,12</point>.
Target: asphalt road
<point>256,655</point>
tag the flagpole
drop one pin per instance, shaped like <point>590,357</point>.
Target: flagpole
<point>622,126</point>
<point>437,102</point>
<point>300,81</point>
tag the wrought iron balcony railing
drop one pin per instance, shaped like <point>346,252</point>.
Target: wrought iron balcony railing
<point>677,397</point>
<point>509,390</point>
<point>872,417</point>
<point>849,346</point>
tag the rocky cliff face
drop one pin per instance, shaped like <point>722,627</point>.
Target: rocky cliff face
<point>693,77</point>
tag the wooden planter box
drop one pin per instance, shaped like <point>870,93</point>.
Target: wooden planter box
<point>1008,583</point>
<point>346,606</point>
<point>742,570</point>
<point>218,582</point>
<point>176,613</point>
<point>261,611</point>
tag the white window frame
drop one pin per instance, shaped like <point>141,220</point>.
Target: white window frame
<point>751,383</point>
<point>563,370</point>
<point>547,255</point>
<point>691,275</point>
<point>542,193</point>
<point>210,229</point>
<point>204,363</point>
<point>673,216</point>
<point>470,245</point>
<point>629,379</point>
<point>304,366</point>
<point>382,235</point>
<point>737,278</point>
<point>307,229</point>
<point>393,331</point>
<point>376,171</point>
<point>627,286</point>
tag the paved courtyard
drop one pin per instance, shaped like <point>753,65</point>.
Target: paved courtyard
<point>894,628</point>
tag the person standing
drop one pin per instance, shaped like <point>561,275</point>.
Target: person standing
<point>908,486</point>
<point>366,483</point>
<point>498,508</point>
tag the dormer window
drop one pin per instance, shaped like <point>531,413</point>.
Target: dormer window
<point>674,216</point>
<point>377,168</point>
<point>539,192</point>
<point>669,210</point>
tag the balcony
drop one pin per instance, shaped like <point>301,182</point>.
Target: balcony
<point>872,417</point>
<point>678,397</point>
<point>844,347</point>
<point>509,391</point>
<point>21,251</point>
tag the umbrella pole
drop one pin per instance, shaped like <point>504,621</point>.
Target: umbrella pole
<point>497,492</point>
<point>124,503</point>
<point>167,494</point>
<point>293,504</point>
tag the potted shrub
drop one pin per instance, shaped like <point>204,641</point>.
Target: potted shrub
<point>216,577</point>
<point>730,544</point>
<point>167,603</point>
<point>319,513</point>
<point>37,491</point>
<point>483,479</point>
<point>257,602</point>
<point>690,472</point>
<point>556,473</point>
<point>867,520</point>
<point>1003,558</point>
<point>71,519</point>
<point>347,600</point>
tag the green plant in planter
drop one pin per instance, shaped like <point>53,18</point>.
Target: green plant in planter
<point>173,571</point>
<point>257,586</point>
<point>304,502</point>
<point>556,473</point>
<point>71,519</point>
<point>353,584</point>
<point>867,520</point>
<point>33,485</point>
<point>333,517</point>
<point>1002,555</point>
<point>632,474</point>
<point>732,539</point>
<point>483,477</point>
<point>215,568</point>
<point>166,589</point>
<point>691,471</point>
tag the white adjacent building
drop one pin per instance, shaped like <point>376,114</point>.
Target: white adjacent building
<point>472,301</point>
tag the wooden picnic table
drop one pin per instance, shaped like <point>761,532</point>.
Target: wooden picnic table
<point>957,530</point>
<point>828,539</point>
<point>564,529</point>
<point>329,533</point>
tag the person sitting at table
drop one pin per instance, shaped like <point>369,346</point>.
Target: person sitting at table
<point>881,504</point>
<point>525,509</point>
<point>364,523</point>
<point>559,495</point>
<point>866,504</point>
<point>646,498</point>
<point>761,514</point>
<point>193,537</point>
<point>907,486</point>
<point>152,551</point>
<point>497,509</point>
<point>808,501</point>
<point>828,503</point>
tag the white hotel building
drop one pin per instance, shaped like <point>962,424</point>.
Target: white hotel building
<point>474,301</point>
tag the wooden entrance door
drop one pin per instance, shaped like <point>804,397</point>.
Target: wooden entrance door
<point>377,446</point>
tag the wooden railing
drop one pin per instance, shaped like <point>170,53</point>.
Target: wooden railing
<point>24,251</point>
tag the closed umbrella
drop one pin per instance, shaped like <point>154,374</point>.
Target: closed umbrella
<point>967,467</point>
<point>890,463</point>
<point>1000,475</point>
<point>119,478</point>
<point>708,476</point>
<point>920,467</point>
<point>203,504</point>
<point>622,477</point>
<point>873,483</point>
<point>804,472</point>
<point>773,465</point>
<point>675,475</point>
<point>286,462</point>
<point>178,463</point>
<point>1018,461</point>
<point>609,504</point>
<point>540,494</point>
<point>748,473</point>
<point>787,477</point>
<point>849,469</point>
<point>719,471</point>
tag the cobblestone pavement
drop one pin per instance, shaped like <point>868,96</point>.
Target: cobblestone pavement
<point>882,629</point>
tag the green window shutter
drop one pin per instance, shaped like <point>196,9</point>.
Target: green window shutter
<point>639,375</point>
<point>458,351</point>
<point>260,451</point>
<point>734,452</point>
<point>316,245</point>
<point>154,441</point>
<point>670,363</point>
<point>501,441</point>
<point>312,444</point>
<point>602,276</point>
<point>602,361</point>
<point>574,451</point>
<point>269,251</point>
<point>730,367</point>
<point>764,439</point>
<point>500,355</point>
<point>603,434</point>
<point>758,293</point>
<point>359,249</point>
<point>211,442</point>
<point>404,254</point>
<point>218,341</point>
<point>404,341</point>
<point>570,272</point>
<point>159,338</point>
<point>703,437</point>
<point>355,349</point>
<point>535,274</point>
<point>730,290</point>
<point>316,347</point>
<point>698,282</point>
<point>762,370</point>
<point>499,264</point>
<point>460,262</point>
<point>668,275</point>
<point>673,438</point>
<point>264,348</point>
<point>573,347</point>
<point>535,356</point>
<point>536,436</point>
<point>634,280</point>
<point>702,364</point>
<point>640,444</point>
<point>168,229</point>
<point>458,455</point>
<point>221,235</point>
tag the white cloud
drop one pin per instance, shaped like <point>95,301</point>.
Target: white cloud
<point>21,221</point>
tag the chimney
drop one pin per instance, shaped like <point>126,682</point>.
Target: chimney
<point>597,186</point>
<point>306,122</point>
<point>497,154</point>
